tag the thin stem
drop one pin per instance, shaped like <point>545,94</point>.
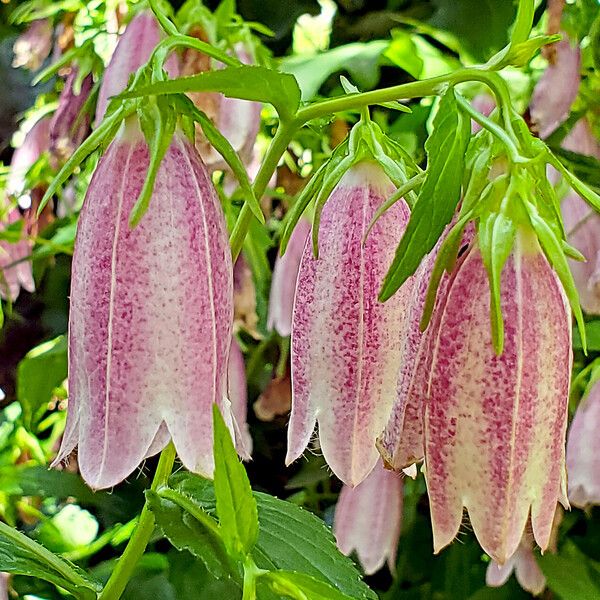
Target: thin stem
<point>282,138</point>
<point>141,536</point>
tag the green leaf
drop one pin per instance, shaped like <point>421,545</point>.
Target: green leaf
<point>236,506</point>
<point>439,194</point>
<point>221,144</point>
<point>289,538</point>
<point>21,555</point>
<point>188,532</point>
<point>43,369</point>
<point>592,335</point>
<point>301,586</point>
<point>259,84</point>
<point>158,121</point>
<point>360,60</point>
<point>570,574</point>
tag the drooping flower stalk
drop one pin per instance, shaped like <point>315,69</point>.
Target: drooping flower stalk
<point>283,284</point>
<point>368,519</point>
<point>583,459</point>
<point>346,346</point>
<point>151,314</point>
<point>523,563</point>
<point>495,425</point>
<point>133,50</point>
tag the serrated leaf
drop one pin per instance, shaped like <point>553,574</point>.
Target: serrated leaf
<point>22,556</point>
<point>236,506</point>
<point>301,586</point>
<point>439,194</point>
<point>187,533</point>
<point>259,84</point>
<point>289,538</point>
<point>43,369</point>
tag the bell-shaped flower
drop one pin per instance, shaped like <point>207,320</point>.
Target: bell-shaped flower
<point>283,283</point>
<point>33,46</point>
<point>523,563</point>
<point>583,459</point>
<point>134,48</point>
<point>346,345</point>
<point>495,424</point>
<point>582,224</point>
<point>484,104</point>
<point>237,392</point>
<point>557,88</point>
<point>14,264</point>
<point>69,125</point>
<point>368,519</point>
<point>151,314</point>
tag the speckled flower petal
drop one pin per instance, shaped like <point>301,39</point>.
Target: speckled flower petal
<point>368,519</point>
<point>495,425</point>
<point>582,225</point>
<point>346,346</point>
<point>151,314</point>
<point>283,283</point>
<point>132,51</point>
<point>583,456</point>
<point>557,88</point>
<point>237,392</point>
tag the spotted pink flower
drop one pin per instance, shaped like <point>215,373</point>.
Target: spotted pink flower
<point>346,345</point>
<point>582,225</point>
<point>33,46</point>
<point>283,284</point>
<point>368,519</point>
<point>151,314</point>
<point>495,425</point>
<point>583,459</point>
<point>237,392</point>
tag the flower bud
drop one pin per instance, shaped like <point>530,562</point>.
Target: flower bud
<point>283,284</point>
<point>133,50</point>
<point>346,345</point>
<point>495,425</point>
<point>368,519</point>
<point>151,314</point>
<point>583,460</point>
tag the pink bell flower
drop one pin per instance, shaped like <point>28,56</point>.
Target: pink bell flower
<point>33,46</point>
<point>557,88</point>
<point>583,460</point>
<point>368,519</point>
<point>133,50</point>
<point>237,393</point>
<point>346,345</point>
<point>283,283</point>
<point>495,425</point>
<point>151,314</point>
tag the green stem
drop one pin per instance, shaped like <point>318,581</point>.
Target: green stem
<point>279,143</point>
<point>523,22</point>
<point>141,536</point>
